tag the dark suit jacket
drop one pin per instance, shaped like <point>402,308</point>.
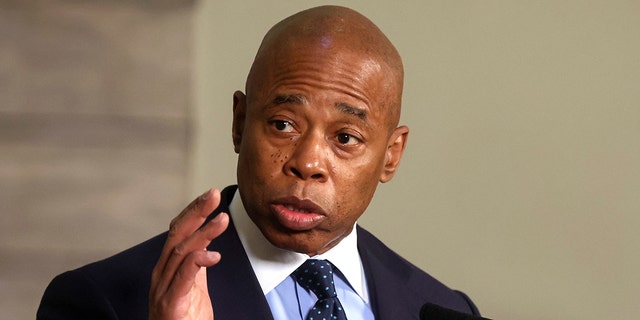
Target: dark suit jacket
<point>118,287</point>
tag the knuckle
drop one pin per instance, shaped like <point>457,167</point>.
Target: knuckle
<point>196,206</point>
<point>173,222</point>
<point>179,250</point>
<point>173,230</point>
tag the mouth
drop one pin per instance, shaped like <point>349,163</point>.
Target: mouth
<point>298,215</point>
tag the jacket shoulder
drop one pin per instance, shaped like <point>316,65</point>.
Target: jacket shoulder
<point>113,288</point>
<point>393,278</point>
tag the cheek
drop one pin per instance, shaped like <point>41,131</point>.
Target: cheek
<point>276,157</point>
<point>364,174</point>
<point>357,188</point>
<point>253,169</point>
<point>259,156</point>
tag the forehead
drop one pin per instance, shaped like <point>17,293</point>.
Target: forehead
<point>323,64</point>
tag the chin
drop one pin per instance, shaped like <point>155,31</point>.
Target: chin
<point>297,242</point>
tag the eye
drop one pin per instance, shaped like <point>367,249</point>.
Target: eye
<point>282,125</point>
<point>347,139</point>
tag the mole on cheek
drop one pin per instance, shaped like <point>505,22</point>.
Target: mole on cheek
<point>276,156</point>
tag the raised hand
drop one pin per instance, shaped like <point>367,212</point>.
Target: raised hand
<point>179,279</point>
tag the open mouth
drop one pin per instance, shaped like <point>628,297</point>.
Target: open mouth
<point>296,214</point>
<point>292,208</point>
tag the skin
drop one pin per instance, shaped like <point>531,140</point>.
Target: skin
<point>179,279</point>
<point>315,133</point>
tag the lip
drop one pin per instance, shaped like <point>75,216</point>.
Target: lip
<point>296,214</point>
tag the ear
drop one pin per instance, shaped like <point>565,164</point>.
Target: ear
<point>239,115</point>
<point>395,148</point>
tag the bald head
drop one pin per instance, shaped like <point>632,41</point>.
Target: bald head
<point>332,30</point>
<point>310,130</point>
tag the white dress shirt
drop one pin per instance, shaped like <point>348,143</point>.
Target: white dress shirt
<point>273,267</point>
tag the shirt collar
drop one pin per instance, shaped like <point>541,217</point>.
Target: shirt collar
<point>272,265</point>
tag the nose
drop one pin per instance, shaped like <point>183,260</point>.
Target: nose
<point>308,161</point>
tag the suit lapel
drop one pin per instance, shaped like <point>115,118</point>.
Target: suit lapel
<point>386,280</point>
<point>233,287</point>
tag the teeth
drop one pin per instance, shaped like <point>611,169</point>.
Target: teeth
<point>292,208</point>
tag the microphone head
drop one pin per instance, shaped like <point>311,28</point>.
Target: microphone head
<point>430,311</point>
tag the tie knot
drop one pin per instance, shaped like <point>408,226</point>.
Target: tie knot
<point>317,276</point>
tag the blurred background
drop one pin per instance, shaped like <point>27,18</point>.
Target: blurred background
<point>520,184</point>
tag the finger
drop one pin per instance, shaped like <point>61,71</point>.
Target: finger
<point>192,217</point>
<point>213,194</point>
<point>193,266</point>
<point>190,288</point>
<point>189,220</point>
<point>196,242</point>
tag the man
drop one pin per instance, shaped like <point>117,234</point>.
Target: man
<point>315,132</point>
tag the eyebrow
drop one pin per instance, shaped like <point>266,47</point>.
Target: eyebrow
<point>290,98</point>
<point>301,100</point>
<point>349,109</point>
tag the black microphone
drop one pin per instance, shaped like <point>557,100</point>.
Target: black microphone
<point>430,311</point>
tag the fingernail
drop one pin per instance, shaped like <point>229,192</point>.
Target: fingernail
<point>214,255</point>
<point>206,195</point>
<point>217,218</point>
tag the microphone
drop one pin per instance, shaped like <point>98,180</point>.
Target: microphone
<point>430,311</point>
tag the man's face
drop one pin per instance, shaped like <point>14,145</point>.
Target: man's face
<point>313,142</point>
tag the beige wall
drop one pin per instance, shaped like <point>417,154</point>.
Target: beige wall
<point>94,133</point>
<point>520,182</point>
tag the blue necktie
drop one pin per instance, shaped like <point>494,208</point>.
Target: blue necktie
<point>317,276</point>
